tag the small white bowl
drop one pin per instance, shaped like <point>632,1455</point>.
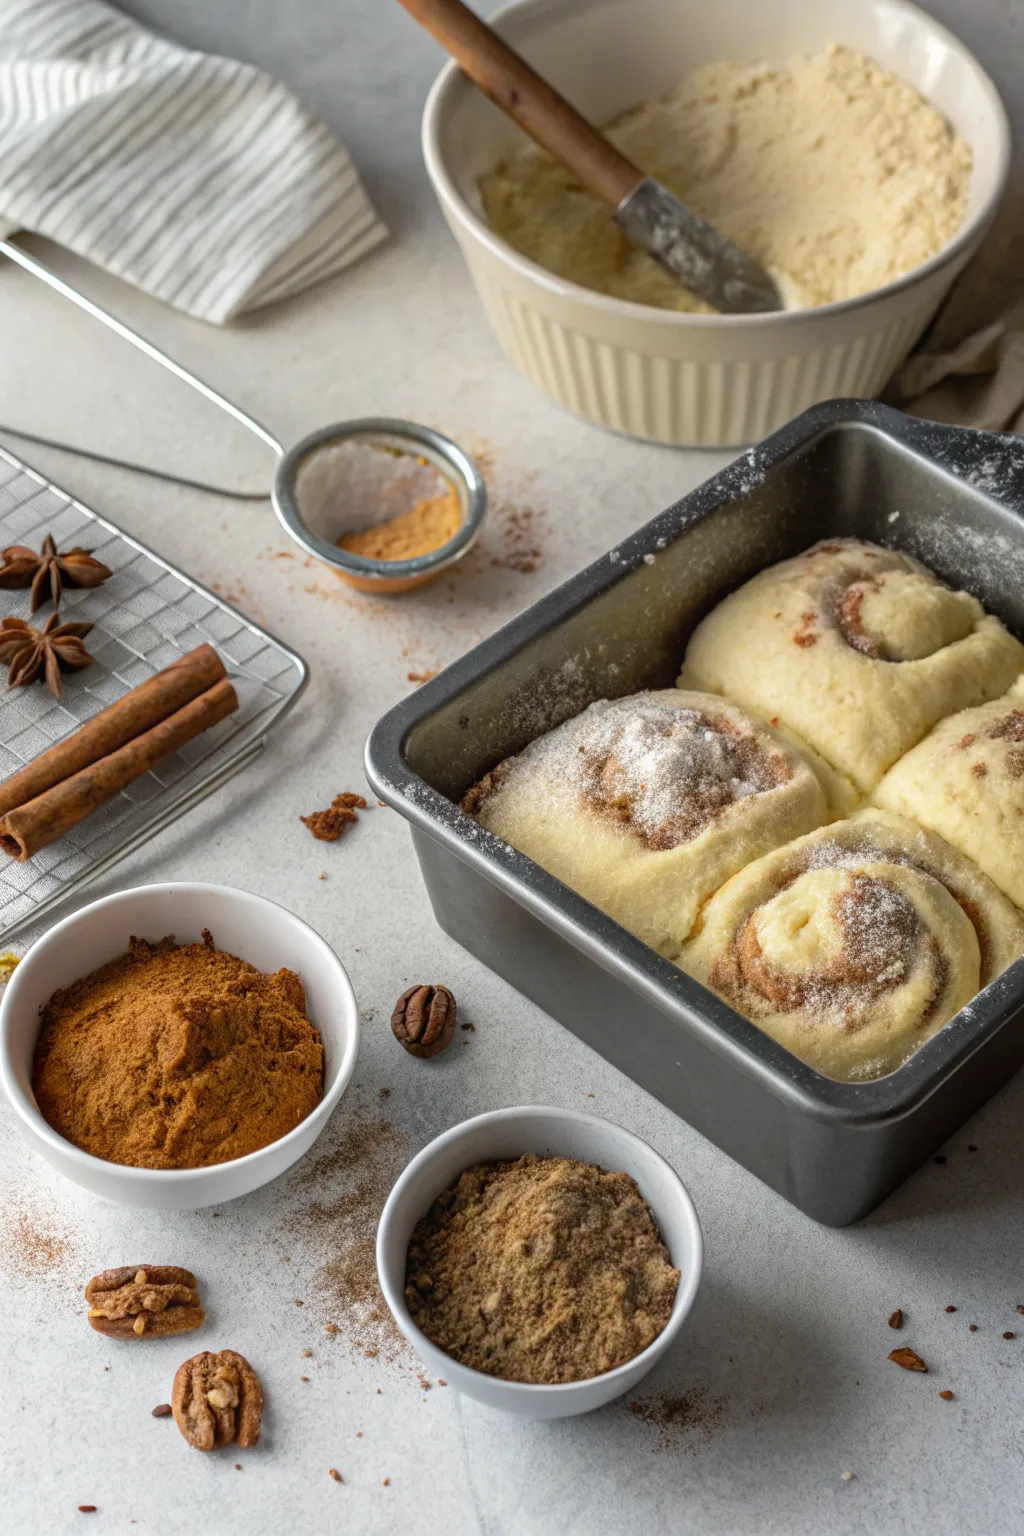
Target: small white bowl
<point>508,1134</point>
<point>257,930</point>
<point>700,380</point>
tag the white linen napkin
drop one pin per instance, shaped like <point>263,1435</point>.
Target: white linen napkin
<point>197,178</point>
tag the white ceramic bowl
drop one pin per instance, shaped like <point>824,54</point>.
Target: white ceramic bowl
<point>509,1133</point>
<point>259,931</point>
<point>700,380</point>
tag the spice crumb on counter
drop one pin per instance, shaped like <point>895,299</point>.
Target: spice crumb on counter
<point>908,1359</point>
<point>329,825</point>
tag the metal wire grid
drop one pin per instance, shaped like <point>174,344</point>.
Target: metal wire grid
<point>145,616</point>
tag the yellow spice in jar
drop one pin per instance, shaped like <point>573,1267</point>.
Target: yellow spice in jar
<point>427,525</point>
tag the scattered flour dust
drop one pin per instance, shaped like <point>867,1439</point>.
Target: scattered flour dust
<point>833,172</point>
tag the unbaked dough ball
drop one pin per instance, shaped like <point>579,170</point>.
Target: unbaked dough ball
<point>966,782</point>
<point>855,944</point>
<point>647,804</point>
<point>856,650</point>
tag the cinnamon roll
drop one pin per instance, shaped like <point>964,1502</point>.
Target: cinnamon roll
<point>855,944</point>
<point>966,782</point>
<point>647,804</point>
<point>856,650</point>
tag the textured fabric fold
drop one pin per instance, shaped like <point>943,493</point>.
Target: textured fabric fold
<point>970,367</point>
<point>198,179</point>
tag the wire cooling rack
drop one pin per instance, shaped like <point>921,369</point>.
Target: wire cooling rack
<point>144,617</point>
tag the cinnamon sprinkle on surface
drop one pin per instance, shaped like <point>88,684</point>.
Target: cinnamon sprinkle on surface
<point>329,825</point>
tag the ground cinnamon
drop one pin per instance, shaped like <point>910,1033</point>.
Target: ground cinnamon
<point>177,1056</point>
<point>427,525</point>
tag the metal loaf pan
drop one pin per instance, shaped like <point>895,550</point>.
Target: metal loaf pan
<point>952,497</point>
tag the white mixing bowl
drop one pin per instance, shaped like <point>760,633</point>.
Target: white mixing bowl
<point>257,930</point>
<point>506,1134</point>
<point>700,380</point>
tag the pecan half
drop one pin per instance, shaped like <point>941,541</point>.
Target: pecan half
<point>217,1399</point>
<point>424,1020</point>
<point>143,1301</point>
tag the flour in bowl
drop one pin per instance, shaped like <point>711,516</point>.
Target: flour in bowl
<point>831,171</point>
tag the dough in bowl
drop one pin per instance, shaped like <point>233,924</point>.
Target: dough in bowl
<point>855,944</point>
<point>856,650</point>
<point>966,782</point>
<point>645,805</point>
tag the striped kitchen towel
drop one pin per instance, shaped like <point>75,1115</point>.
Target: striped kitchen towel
<point>198,179</point>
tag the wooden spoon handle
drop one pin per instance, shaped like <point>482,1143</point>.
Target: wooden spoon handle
<point>518,90</point>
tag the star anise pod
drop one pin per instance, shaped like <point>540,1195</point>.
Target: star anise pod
<point>32,652</point>
<point>22,567</point>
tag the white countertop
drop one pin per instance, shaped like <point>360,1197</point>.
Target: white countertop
<point>784,1361</point>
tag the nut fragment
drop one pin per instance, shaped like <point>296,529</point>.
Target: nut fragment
<point>424,1020</point>
<point>909,1359</point>
<point>217,1399</point>
<point>143,1301</point>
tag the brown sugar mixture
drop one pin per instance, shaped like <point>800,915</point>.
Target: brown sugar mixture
<point>427,525</point>
<point>177,1056</point>
<point>543,1270</point>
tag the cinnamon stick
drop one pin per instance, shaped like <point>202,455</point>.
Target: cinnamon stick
<point>31,826</point>
<point>153,700</point>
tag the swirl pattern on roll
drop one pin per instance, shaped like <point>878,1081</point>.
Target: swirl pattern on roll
<point>966,782</point>
<point>645,805</point>
<point>855,944</point>
<point>857,651</point>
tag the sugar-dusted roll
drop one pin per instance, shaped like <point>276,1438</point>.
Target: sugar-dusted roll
<point>966,782</point>
<point>857,650</point>
<point>855,944</point>
<point>647,804</point>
